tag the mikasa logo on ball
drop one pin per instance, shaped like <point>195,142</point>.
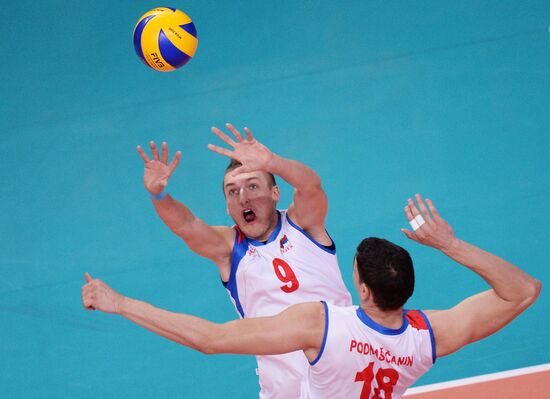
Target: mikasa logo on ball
<point>173,31</point>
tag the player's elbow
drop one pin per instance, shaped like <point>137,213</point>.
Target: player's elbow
<point>532,293</point>
<point>213,342</point>
<point>206,346</point>
<point>208,349</point>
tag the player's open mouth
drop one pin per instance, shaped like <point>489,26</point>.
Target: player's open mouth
<point>249,215</point>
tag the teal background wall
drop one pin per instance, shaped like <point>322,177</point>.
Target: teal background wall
<point>382,99</point>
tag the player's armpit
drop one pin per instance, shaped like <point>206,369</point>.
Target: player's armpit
<point>300,327</point>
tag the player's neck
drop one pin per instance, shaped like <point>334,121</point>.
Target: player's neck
<point>388,318</point>
<point>274,222</point>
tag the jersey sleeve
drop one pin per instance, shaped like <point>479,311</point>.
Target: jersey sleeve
<point>419,321</point>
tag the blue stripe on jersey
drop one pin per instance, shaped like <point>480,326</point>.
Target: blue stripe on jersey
<point>381,329</point>
<point>330,251</point>
<point>432,338</point>
<point>271,237</point>
<point>324,337</point>
<point>239,251</point>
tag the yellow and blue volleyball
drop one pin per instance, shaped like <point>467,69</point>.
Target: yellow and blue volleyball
<point>165,39</point>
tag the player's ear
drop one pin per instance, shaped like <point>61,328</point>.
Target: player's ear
<point>364,292</point>
<point>275,193</point>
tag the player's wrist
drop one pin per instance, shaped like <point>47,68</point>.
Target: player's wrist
<point>452,248</point>
<point>273,163</point>
<point>121,305</point>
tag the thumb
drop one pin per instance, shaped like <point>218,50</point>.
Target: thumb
<point>88,277</point>
<point>408,234</point>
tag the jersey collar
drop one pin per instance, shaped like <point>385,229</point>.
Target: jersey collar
<point>380,328</point>
<point>273,235</point>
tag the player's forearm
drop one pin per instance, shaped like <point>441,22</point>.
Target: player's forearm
<point>298,175</point>
<point>508,281</point>
<point>174,214</point>
<point>187,330</point>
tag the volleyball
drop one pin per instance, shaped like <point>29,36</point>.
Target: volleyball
<point>165,39</point>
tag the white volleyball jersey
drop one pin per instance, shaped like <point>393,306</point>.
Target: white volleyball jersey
<point>361,359</point>
<point>266,278</point>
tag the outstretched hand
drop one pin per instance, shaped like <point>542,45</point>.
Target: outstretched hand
<point>98,295</point>
<point>158,171</point>
<point>252,154</point>
<point>430,230</point>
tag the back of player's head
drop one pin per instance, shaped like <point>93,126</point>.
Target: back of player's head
<point>234,164</point>
<point>387,270</point>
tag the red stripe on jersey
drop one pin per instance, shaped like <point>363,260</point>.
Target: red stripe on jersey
<point>416,320</point>
<point>240,234</point>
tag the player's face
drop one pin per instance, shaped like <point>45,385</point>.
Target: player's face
<point>251,203</point>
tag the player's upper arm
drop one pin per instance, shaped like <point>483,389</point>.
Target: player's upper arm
<point>471,320</point>
<point>211,242</point>
<point>214,243</point>
<point>300,327</point>
<point>309,211</point>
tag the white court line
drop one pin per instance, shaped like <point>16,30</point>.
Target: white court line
<point>478,379</point>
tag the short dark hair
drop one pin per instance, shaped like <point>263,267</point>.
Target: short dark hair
<point>387,270</point>
<point>234,164</point>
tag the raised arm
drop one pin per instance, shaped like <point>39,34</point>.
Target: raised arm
<point>512,290</point>
<point>300,327</point>
<point>214,243</point>
<point>310,205</point>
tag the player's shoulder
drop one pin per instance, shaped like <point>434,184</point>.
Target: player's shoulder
<point>322,308</point>
<point>310,314</point>
<point>348,313</point>
<point>316,235</point>
<point>417,319</point>
<point>228,234</point>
